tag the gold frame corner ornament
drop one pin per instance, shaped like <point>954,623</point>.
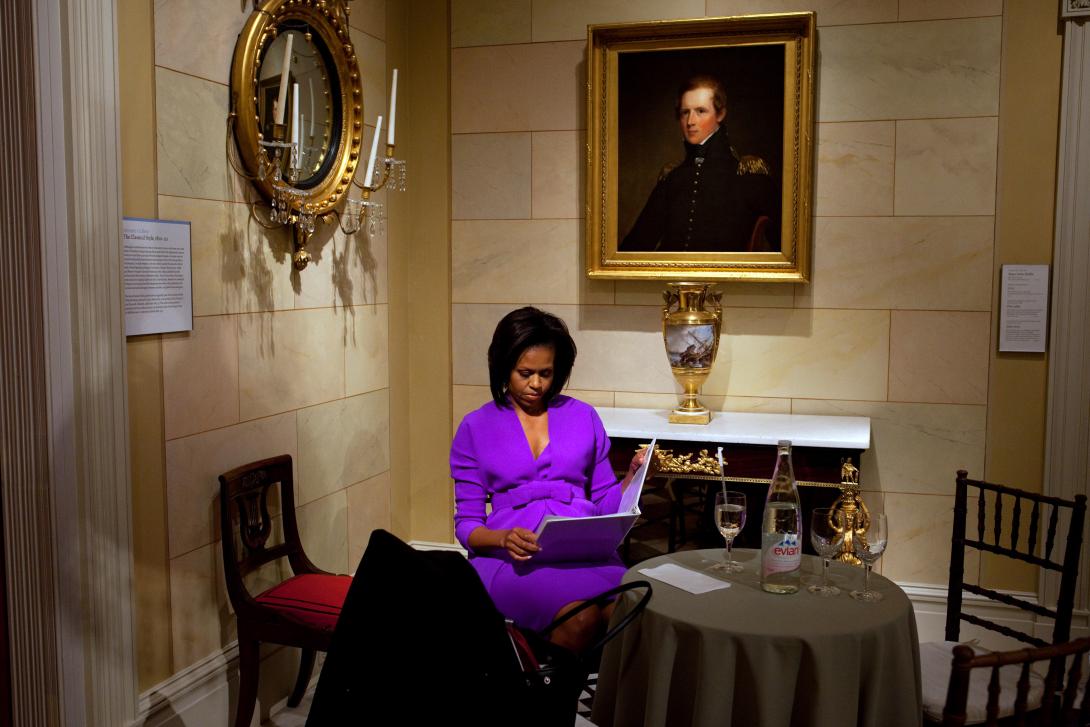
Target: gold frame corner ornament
<point>328,20</point>
<point>797,33</point>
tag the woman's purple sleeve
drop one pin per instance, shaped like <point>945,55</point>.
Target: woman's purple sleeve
<point>469,491</point>
<point>605,488</point>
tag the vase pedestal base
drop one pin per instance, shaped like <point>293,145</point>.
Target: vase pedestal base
<point>680,416</point>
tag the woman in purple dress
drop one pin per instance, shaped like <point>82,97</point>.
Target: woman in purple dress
<point>535,453</point>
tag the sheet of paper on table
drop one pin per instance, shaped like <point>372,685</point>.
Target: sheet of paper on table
<point>684,578</point>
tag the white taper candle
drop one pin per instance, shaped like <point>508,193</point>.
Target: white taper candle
<point>393,110</point>
<point>367,181</point>
<point>285,68</point>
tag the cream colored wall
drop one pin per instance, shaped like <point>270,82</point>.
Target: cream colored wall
<point>277,362</point>
<point>897,322</point>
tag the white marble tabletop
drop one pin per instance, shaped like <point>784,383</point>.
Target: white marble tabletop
<point>803,430</point>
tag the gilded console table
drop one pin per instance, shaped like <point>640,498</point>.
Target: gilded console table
<point>820,445</point>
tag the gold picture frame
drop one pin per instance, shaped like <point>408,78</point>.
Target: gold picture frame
<point>645,218</point>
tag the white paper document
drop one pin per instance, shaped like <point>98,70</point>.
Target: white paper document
<point>683,578</point>
<point>1023,313</point>
<point>593,538</point>
<point>158,276</point>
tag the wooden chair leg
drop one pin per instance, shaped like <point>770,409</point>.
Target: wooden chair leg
<point>306,666</point>
<point>249,662</point>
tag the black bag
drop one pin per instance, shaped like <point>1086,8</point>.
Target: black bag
<point>419,642</point>
<point>552,676</point>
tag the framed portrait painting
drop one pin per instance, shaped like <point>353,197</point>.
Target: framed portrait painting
<point>700,149</point>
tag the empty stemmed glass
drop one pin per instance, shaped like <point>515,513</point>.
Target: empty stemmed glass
<point>826,535</point>
<point>730,518</point>
<point>868,547</point>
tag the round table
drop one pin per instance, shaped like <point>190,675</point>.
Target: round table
<point>741,656</point>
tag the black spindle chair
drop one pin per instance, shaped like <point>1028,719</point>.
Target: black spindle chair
<point>1059,708</point>
<point>1031,536</point>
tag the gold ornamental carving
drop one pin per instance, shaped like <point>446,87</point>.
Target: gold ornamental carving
<point>856,520</point>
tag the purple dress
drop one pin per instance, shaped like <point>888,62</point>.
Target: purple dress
<point>491,456</point>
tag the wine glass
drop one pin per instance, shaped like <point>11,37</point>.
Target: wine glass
<point>827,536</point>
<point>868,547</point>
<point>730,518</point>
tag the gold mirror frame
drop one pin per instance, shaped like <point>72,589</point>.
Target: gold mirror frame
<point>328,19</point>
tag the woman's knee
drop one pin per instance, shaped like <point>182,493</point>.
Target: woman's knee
<point>580,630</point>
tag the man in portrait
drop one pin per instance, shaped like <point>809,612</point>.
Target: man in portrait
<point>715,199</point>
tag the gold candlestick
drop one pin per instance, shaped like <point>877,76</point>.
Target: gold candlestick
<point>856,515</point>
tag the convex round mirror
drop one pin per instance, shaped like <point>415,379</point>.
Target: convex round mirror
<point>297,110</point>
<point>309,101</point>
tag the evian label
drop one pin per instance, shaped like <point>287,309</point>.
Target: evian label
<point>784,554</point>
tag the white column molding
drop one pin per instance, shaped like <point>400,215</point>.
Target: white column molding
<point>101,421</point>
<point>79,175</point>
<point>1068,439</point>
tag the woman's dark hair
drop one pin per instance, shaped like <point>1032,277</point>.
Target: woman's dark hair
<point>522,329</point>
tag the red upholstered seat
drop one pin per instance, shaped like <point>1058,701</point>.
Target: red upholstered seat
<point>313,600</point>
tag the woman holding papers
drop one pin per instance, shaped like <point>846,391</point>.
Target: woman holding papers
<point>535,453</point>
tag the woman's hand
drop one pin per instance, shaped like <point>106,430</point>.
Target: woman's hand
<point>519,543</point>
<point>634,467</point>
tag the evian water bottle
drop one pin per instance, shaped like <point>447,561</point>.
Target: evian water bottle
<point>781,530</point>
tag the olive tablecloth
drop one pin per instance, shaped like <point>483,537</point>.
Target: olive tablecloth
<point>740,656</point>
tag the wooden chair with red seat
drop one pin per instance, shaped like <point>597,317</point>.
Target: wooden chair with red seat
<point>301,611</point>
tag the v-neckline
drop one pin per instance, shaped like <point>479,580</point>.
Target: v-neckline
<point>526,437</point>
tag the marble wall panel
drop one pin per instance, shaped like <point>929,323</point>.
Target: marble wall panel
<point>370,17</point>
<point>360,264</point>
<point>919,542</point>
<point>368,509</point>
<point>205,360</point>
<point>915,448</point>
<point>854,169</point>
<point>289,360</point>
<point>941,263</point>
<point>534,87</point>
<point>557,174</point>
<point>193,464</point>
<point>819,354</point>
<point>467,399</point>
<point>735,295</point>
<point>568,19</point>
<point>191,115</point>
<point>939,357</point>
<point>490,176</point>
<point>714,402</point>
<point>323,530</point>
<point>514,261</point>
<point>605,336</point>
<point>489,22</point>
<point>934,9</point>
<point>913,70</point>
<point>946,166</point>
<point>238,266</point>
<point>342,442</point>
<point>198,36</point>
<point>201,621</point>
<point>371,55</point>
<point>829,12</point>
<point>366,357</point>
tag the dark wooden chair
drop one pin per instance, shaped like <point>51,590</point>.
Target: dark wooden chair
<point>1055,695</point>
<point>1032,523</point>
<point>301,611</point>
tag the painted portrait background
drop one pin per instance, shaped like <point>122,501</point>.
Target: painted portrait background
<point>648,133</point>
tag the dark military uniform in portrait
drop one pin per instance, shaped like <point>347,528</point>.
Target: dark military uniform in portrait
<point>714,201</point>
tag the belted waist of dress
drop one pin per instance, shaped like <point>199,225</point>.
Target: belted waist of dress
<point>527,492</point>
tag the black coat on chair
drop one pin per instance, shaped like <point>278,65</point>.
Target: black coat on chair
<point>419,641</point>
